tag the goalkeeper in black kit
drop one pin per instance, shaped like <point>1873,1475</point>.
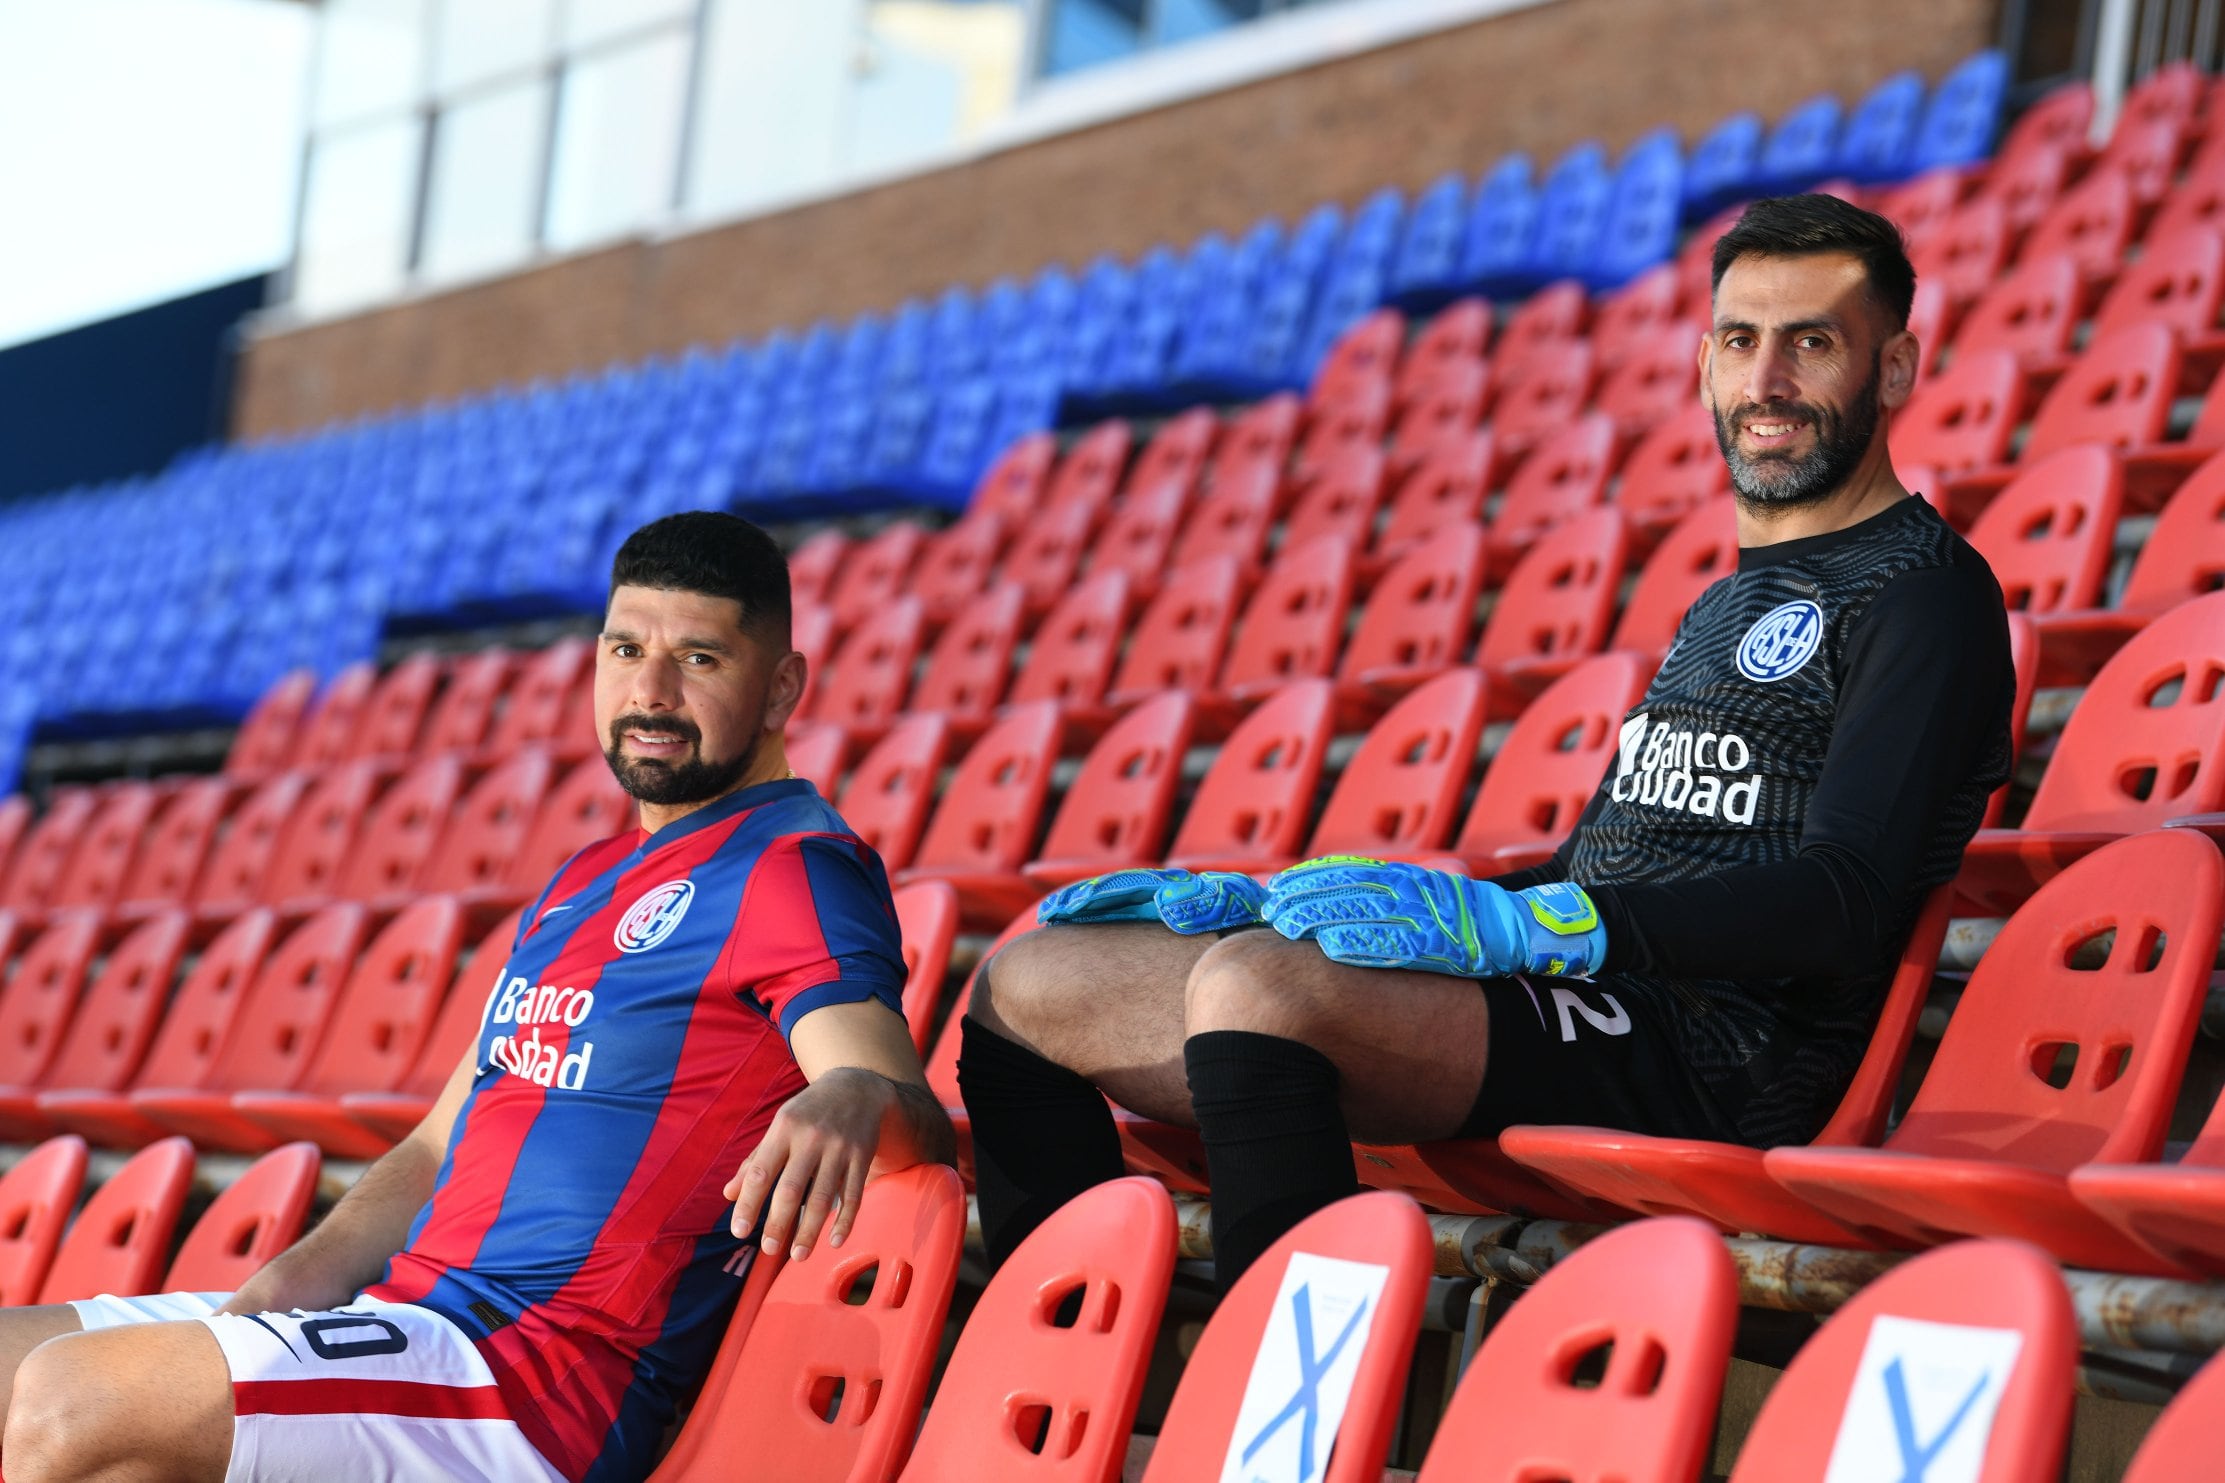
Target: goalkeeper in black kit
<point>1705,955</point>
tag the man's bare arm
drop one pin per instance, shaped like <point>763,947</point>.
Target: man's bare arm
<point>349,1249</point>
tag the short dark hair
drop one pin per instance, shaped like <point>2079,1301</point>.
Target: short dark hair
<point>1798,226</point>
<point>717,554</point>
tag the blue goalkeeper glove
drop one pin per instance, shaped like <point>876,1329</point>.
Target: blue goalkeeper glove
<point>1377,915</point>
<point>1187,903</point>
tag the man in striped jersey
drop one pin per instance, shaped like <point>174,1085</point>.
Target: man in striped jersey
<point>1703,957</point>
<point>698,1026</point>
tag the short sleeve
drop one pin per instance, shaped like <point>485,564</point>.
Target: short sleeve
<point>818,927</point>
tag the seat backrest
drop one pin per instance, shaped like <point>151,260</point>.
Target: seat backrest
<point>972,658</point>
<point>1070,658</point>
<point>1013,487</point>
<point>1969,249</point>
<point>813,566</point>
<point>1294,624</point>
<point>992,810</point>
<point>585,805</point>
<point>2031,313</point>
<point>47,845</point>
<point>2184,555</point>
<point>1859,1119</point>
<point>387,1005</point>
<point>872,670</point>
<point>942,1062</point>
<point>1422,610</point>
<point>1629,318</point>
<point>1044,1381</point>
<point>336,719</point>
<point>1257,798</point>
<point>1118,807</point>
<point>1803,145</point>
<point>927,922</point>
<point>1230,521</point>
<point>812,632</point>
<point>258,1215</point>
<point>1182,637</point>
<point>2069,1042</point>
<point>462,1011</point>
<point>1177,454</point>
<point>1399,793</point>
<point>400,830</point>
<point>120,1241</point>
<point>876,573</point>
<point>1089,473</point>
<point>265,742</point>
<point>1610,1367</point>
<point>1964,417</point>
<point>2177,282</point>
<point>539,705</point>
<point>176,843</point>
<point>1338,497</point>
<point>1564,476</point>
<point>321,833</point>
<point>2118,392</point>
<point>889,792</point>
<point>282,1020</point>
<point>2022,186</point>
<point>1446,408</point>
<point>1674,469</point>
<point>1352,1274</point>
<point>116,1017</point>
<point>2048,536</point>
<point>488,824</point>
<point>1701,551</point>
<point>1140,533</point>
<point>2059,119</point>
<point>817,753</point>
<point>1457,337</point>
<point>36,1198</point>
<point>2146,742</point>
<point>825,1363</point>
<point>464,713</point>
<point>240,860</point>
<point>192,1029</point>
<point>1360,364</point>
<point>1553,757</point>
<point>1544,390</point>
<point>95,870</point>
<point>1962,1357</point>
<point>396,711</point>
<point>1658,378</point>
<point>1446,487</point>
<point>1548,321</point>
<point>15,823</point>
<point>1560,598</point>
<point>43,988</point>
<point>956,564</point>
<point>2092,221</point>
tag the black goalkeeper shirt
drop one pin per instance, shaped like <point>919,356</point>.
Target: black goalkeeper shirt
<point>1811,759</point>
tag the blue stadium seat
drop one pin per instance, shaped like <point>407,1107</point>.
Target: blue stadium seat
<point>1272,349</point>
<point>1803,148</point>
<point>1640,229</point>
<point>1139,361</point>
<point>1502,231</point>
<point>1101,306</point>
<point>1571,209</point>
<point>1965,114</point>
<point>1725,166</point>
<point>1037,342</point>
<point>1358,278</point>
<point>1881,131</point>
<point>908,347</point>
<point>1425,268</point>
<point>955,347</point>
<point>1213,352</point>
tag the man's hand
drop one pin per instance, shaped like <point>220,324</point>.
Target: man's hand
<point>1377,915</point>
<point>1188,903</point>
<point>813,1161</point>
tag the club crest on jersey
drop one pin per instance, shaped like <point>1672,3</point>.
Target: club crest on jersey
<point>654,917</point>
<point>1784,639</point>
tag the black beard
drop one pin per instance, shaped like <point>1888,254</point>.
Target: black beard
<point>1816,475</point>
<point>696,780</point>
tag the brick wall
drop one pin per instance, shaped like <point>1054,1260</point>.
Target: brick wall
<point>1399,116</point>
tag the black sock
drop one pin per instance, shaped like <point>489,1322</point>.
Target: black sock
<point>1041,1135</point>
<point>1276,1149</point>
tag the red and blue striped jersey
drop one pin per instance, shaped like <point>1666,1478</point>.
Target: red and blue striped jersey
<point>631,1056</point>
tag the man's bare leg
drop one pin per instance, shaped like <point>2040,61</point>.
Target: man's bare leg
<point>140,1403</point>
<point>23,1330</point>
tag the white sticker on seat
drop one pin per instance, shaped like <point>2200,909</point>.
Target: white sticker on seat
<point>1922,1406</point>
<point>1302,1375</point>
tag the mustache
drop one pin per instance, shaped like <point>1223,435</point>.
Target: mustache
<point>679,726</point>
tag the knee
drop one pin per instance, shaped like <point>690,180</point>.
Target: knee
<point>1257,981</point>
<point>56,1427</point>
<point>1025,985</point>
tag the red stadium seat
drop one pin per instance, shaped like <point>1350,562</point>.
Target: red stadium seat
<point>1549,766</point>
<point>1557,606</point>
<point>15,823</point>
<point>1725,1183</point>
<point>986,823</point>
<point>328,734</point>
<point>2048,536</point>
<point>1256,801</point>
<point>2027,183</point>
<point>1445,412</point>
<point>864,689</point>
<point>462,1014</point>
<point>1565,476</point>
<point>44,984</point>
<point>1842,1390</point>
<point>319,837</point>
<point>541,703</point>
<point>120,1241</point>
<point>2198,200</point>
<point>1070,659</point>
<point>2032,312</point>
<point>812,632</point>
<point>1968,251</point>
<point>485,829</point>
<point>1339,497</point>
<point>825,1364</point>
<point>875,573</point>
<point>1011,491</point>
<point>2148,154</point>
<point>2177,282</point>
<point>106,849</point>
<point>2060,119</point>
<point>1416,622</point>
<point>464,715</point>
<point>585,805</point>
<point>1675,469</point>
<point>889,792</point>
<point>1176,456</point>
<point>1047,554</point>
<point>1920,205</point>
<point>44,854</point>
<point>277,1031</point>
<point>1701,551</point>
<point>813,566</point>
<point>1118,808</point>
<point>1139,535</point>
<point>1446,487</point>
<point>927,924</point>
<point>1360,366</point>
<point>1337,432</point>
<point>1962,420</point>
<point>395,714</point>
<point>955,565</point>
<point>1293,628</point>
<point>2170,94</point>
<point>397,835</point>
<point>1031,1393</point>
<point>239,862</point>
<point>1695,265</point>
<point>1089,473</point>
<point>2183,1442</point>
<point>257,1216</point>
<point>1384,1231</point>
<point>1544,391</point>
<point>1930,317</point>
<point>2182,558</point>
<point>1457,338</point>
<point>1656,1304</point>
<point>1182,638</point>
<point>171,852</point>
<point>966,670</point>
<point>2068,1049</point>
<point>2092,221</point>
<point>1548,321</point>
<point>36,1198</point>
<point>385,1010</point>
<point>1232,521</point>
<point>818,754</point>
<point>2146,744</point>
<point>265,741</point>
<point>90,1077</point>
<point>111,1026</point>
<point>1655,381</point>
<point>2171,1210</point>
<point>1631,317</point>
<point>2118,392</point>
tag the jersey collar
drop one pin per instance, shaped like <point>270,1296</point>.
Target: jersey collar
<point>740,801</point>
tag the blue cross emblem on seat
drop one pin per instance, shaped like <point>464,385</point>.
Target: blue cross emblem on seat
<point>1304,1407</point>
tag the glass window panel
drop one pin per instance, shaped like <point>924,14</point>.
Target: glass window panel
<point>355,219</point>
<point>776,85</point>
<point>486,185</point>
<point>966,53</point>
<point>481,39</point>
<point>618,140</point>
<point>1178,20</point>
<point>1086,32</point>
<point>589,21</point>
<point>370,58</point>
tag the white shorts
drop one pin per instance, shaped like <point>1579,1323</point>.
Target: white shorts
<point>397,1390</point>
